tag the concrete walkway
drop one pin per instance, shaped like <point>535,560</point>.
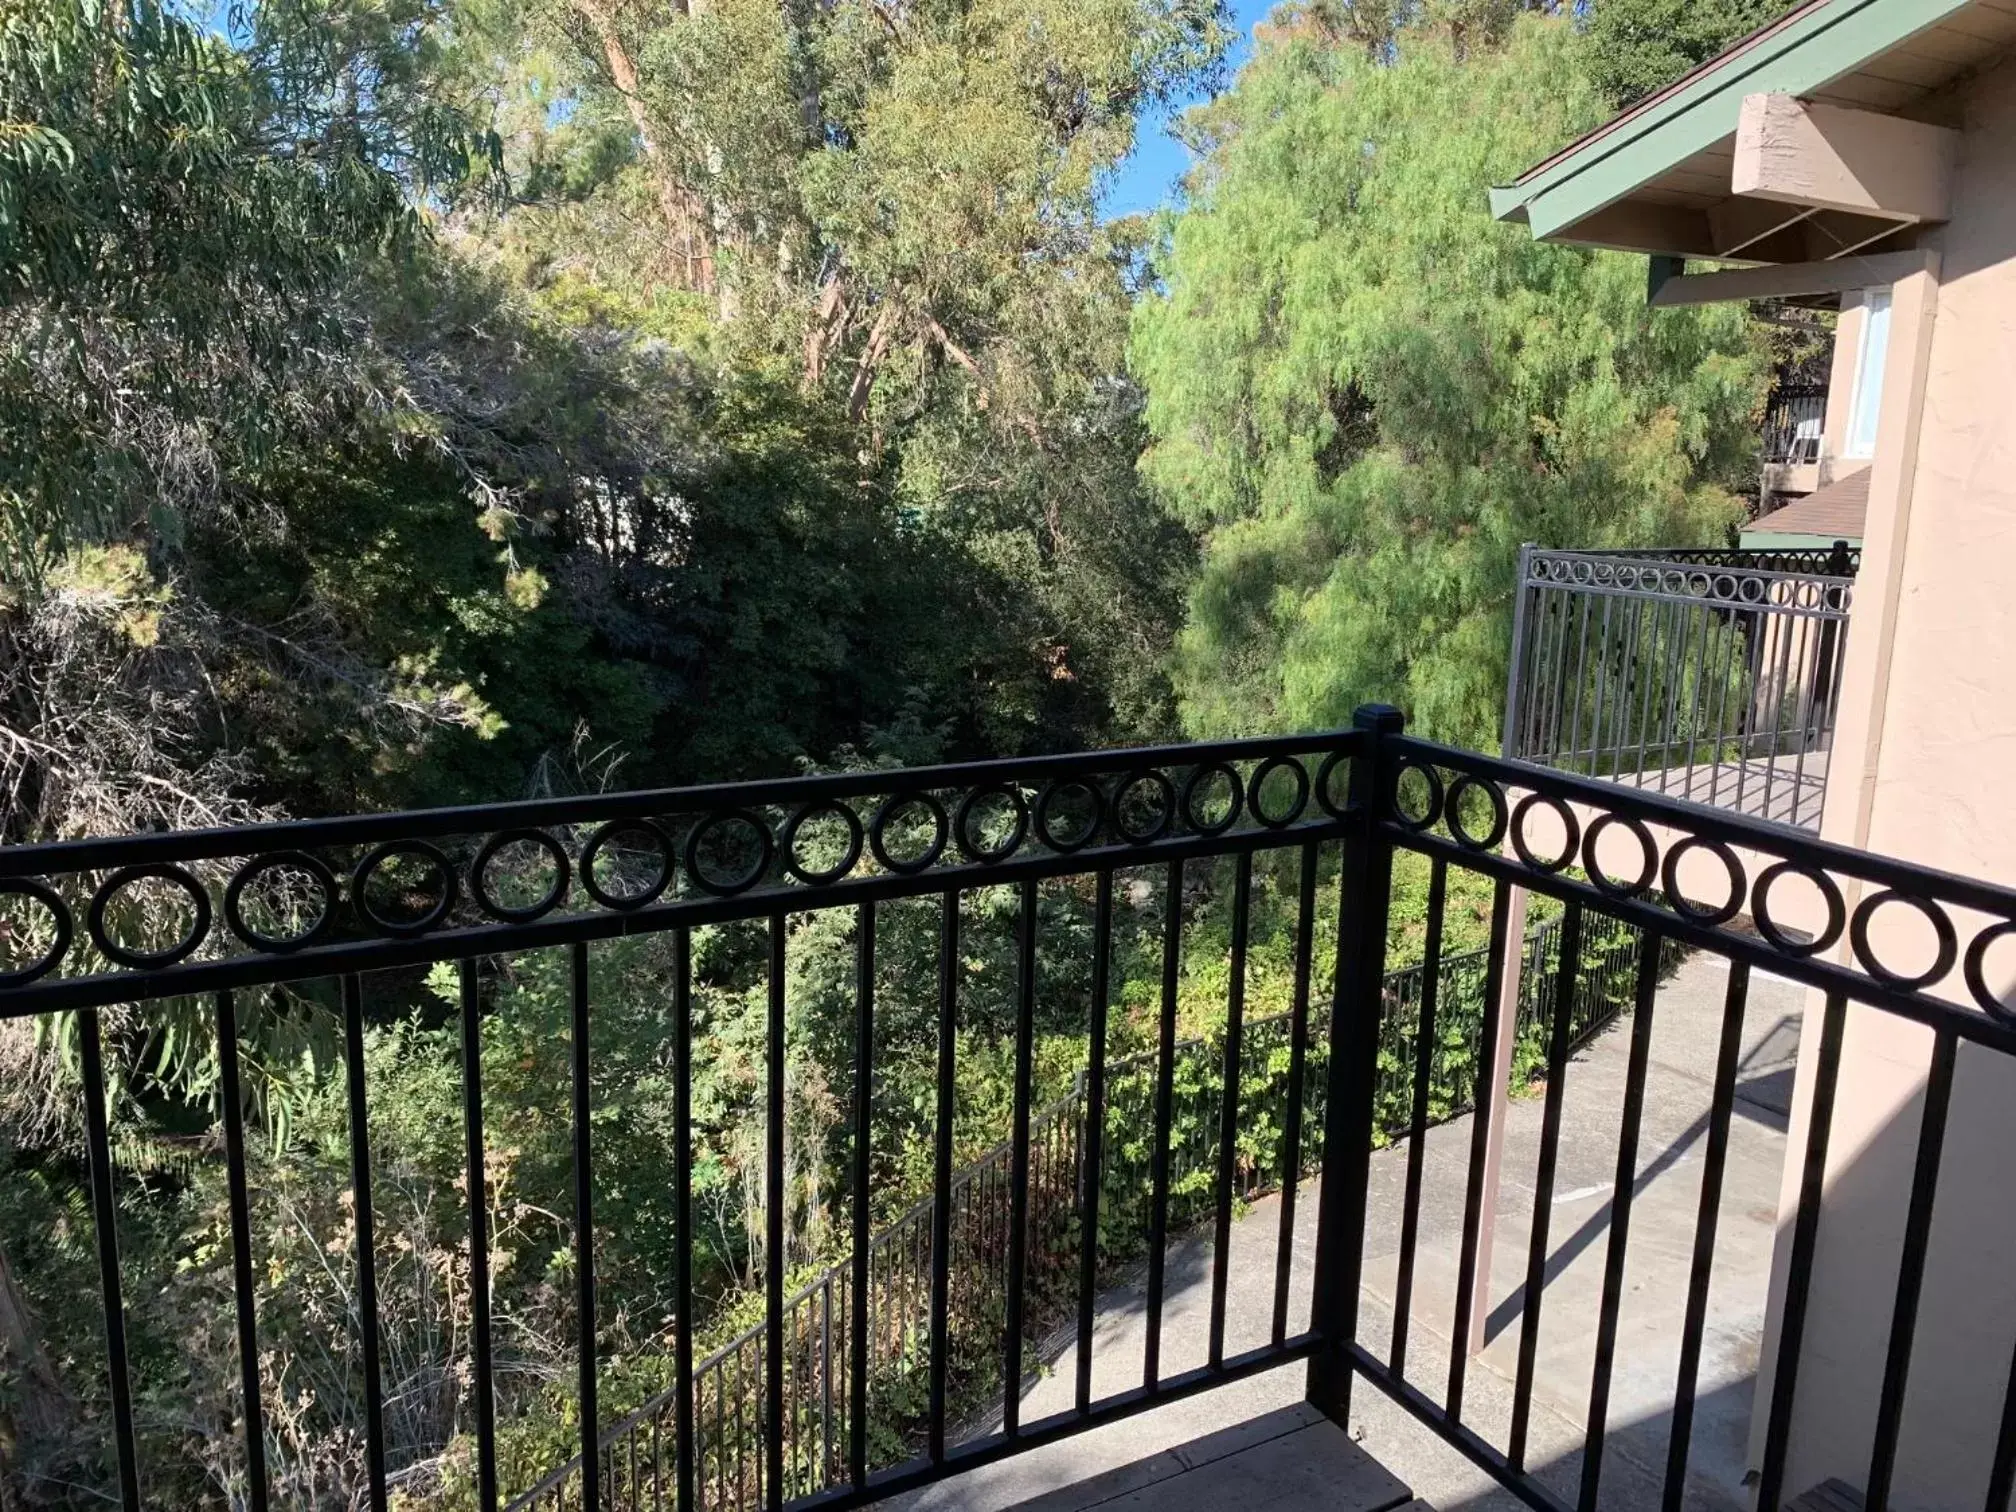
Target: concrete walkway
<point>1686,1031</point>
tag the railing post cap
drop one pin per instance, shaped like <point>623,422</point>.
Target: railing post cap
<point>1380,719</point>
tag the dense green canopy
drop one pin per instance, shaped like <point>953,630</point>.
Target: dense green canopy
<point>1364,394</point>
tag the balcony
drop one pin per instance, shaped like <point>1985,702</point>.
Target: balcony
<point>1708,676</point>
<point>1183,1274</point>
<point>1795,420</point>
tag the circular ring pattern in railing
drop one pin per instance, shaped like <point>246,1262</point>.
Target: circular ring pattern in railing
<point>1648,872</point>
<point>1429,815</point>
<point>521,913</point>
<point>1571,831</point>
<point>1256,788</point>
<point>1165,816</point>
<point>1018,831</point>
<point>850,853</point>
<point>749,876</point>
<point>1776,937</point>
<point>300,861</point>
<point>360,888</point>
<point>149,960</point>
<point>623,902</point>
<point>878,828</point>
<point>1687,908</point>
<point>1975,967</point>
<point>1193,788</point>
<point>1452,810</point>
<point>62,930</point>
<point>1086,832</point>
<point>1942,930</point>
<point>1324,773</point>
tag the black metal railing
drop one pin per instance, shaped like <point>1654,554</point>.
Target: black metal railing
<point>1710,676</point>
<point>1793,422</point>
<point>165,924</point>
<point>633,1459</point>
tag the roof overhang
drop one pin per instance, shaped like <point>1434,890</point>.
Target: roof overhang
<point>1815,138</point>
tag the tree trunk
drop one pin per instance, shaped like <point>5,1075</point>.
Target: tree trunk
<point>685,217</point>
<point>44,1408</point>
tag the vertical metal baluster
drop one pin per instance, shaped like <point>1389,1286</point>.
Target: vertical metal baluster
<point>1165,1075</point>
<point>1695,694</point>
<point>1298,1055</point>
<point>941,1175</point>
<point>1602,687</point>
<point>1480,1140</point>
<point>1574,736</point>
<point>741,1435</point>
<point>479,1238</point>
<point>98,1145</point>
<point>1018,1165</point>
<point>827,1458</point>
<point>1417,1143</point>
<point>367,1254</point>
<point>1534,687</point>
<point>684,1447</point>
<point>1676,659</point>
<point>1837,653</point>
<point>657,1462</point>
<point>1092,1172</point>
<point>1655,650</point>
<point>1784,637</point>
<point>1805,1232</point>
<point>1620,1219</point>
<point>1543,1183</point>
<point>1753,661</point>
<point>1228,1101</point>
<point>1911,1269</point>
<point>584,1227</point>
<point>1727,623</point>
<point>1633,682</point>
<point>772,1350</point>
<point>230,1096</point>
<point>864,1086</point>
<point>1804,716</point>
<point>1557,681</point>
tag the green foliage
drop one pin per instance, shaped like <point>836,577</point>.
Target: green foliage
<point>175,213</point>
<point>1367,394</point>
<point>1637,46</point>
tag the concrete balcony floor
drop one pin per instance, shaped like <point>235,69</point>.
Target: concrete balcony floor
<point>1292,1459</point>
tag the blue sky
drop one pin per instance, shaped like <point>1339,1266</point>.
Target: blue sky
<point>1148,178</point>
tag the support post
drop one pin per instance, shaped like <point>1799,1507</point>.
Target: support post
<point>1365,890</point>
<point>1492,1108</point>
<point>1515,676</point>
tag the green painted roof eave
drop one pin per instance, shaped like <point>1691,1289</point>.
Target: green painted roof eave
<point>1808,53</point>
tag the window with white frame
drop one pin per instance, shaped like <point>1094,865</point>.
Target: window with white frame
<point>1867,403</point>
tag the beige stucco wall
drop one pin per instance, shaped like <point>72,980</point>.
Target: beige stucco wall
<point>1925,768</point>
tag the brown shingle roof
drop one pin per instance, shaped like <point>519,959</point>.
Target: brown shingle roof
<point>1836,511</point>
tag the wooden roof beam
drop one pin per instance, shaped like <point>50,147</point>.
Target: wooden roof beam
<point>1828,157</point>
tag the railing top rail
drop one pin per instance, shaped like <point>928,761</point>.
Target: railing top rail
<point>1735,556</point>
<point>1698,572</point>
<point>360,829</point>
<point>1965,916</point>
<point>1056,815</point>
